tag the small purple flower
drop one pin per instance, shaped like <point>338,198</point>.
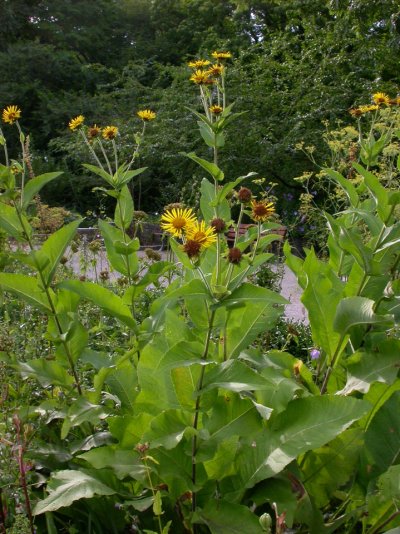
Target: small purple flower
<point>315,354</point>
<point>301,229</point>
<point>314,193</point>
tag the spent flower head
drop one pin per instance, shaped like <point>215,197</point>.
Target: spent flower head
<point>11,114</point>
<point>76,122</point>
<point>94,131</point>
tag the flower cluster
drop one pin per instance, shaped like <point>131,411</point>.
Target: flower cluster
<point>182,223</point>
<point>206,73</point>
<point>108,132</point>
<point>379,100</point>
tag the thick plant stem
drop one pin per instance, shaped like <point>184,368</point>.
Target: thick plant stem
<point>197,407</point>
<point>51,303</point>
<point>152,491</point>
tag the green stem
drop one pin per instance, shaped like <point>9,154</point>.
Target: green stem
<point>115,155</point>
<point>197,407</point>
<point>50,301</point>
<point>106,158</point>
<point>21,137</point>
<point>333,363</point>
<point>5,148</point>
<point>91,150</point>
<point>152,491</point>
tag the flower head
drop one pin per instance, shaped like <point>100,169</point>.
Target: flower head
<point>381,98</point>
<point>221,56</point>
<point>94,131</point>
<point>110,132</point>
<point>146,115</point>
<point>216,70</point>
<point>199,233</point>
<point>261,210</point>
<point>216,110</point>
<point>244,195</point>
<point>395,101</point>
<point>201,77</point>
<point>219,225</point>
<point>11,114</point>
<point>368,108</point>
<point>76,122</point>
<point>234,255</point>
<point>177,220</point>
<point>315,354</point>
<point>355,112</point>
<point>198,63</point>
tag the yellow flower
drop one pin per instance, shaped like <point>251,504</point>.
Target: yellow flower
<point>94,131</point>
<point>110,132</point>
<point>216,70</point>
<point>261,210</point>
<point>146,115</point>
<point>75,123</point>
<point>198,63</point>
<point>176,220</point>
<point>381,98</point>
<point>11,114</point>
<point>367,109</point>
<point>201,77</point>
<point>220,56</point>
<point>355,112</point>
<point>198,238</point>
<point>216,110</point>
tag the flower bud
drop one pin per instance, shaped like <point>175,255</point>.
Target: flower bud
<point>265,522</point>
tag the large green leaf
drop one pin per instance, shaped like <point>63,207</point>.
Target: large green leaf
<point>305,425</point>
<point>122,382</point>
<point>321,296</point>
<point>14,225</point>
<point>124,264</point>
<point>82,411</point>
<point>100,172</point>
<point>377,190</point>
<point>168,428</point>
<point>208,199</point>
<point>33,186</point>
<point>365,368</point>
<point>108,301</point>
<point>26,288</point>
<point>211,168</point>
<point>233,375</point>
<point>223,517</point>
<point>124,209</point>
<point>352,311</point>
<point>384,501</point>
<point>382,439</point>
<point>68,486</point>
<point>46,372</point>
<point>123,462</point>
<point>54,247</point>
<point>346,185</point>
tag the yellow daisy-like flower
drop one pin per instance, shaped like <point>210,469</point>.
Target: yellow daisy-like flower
<point>395,101</point>
<point>110,132</point>
<point>198,63</point>
<point>262,210</point>
<point>216,110</point>
<point>75,123</point>
<point>368,108</point>
<point>201,234</point>
<point>11,114</point>
<point>146,115</point>
<point>177,220</point>
<point>381,98</point>
<point>201,77</point>
<point>220,56</point>
<point>198,238</point>
<point>216,70</point>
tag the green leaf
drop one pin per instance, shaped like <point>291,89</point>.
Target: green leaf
<point>168,428</point>
<point>122,177</point>
<point>223,517</point>
<point>157,505</point>
<point>207,200</point>
<point>26,288</point>
<point>377,190</point>
<point>382,438</point>
<point>321,296</point>
<point>33,186</point>
<point>11,223</point>
<point>123,463</point>
<point>352,311</point>
<point>227,188</point>
<point>346,185</point>
<point>123,383</point>
<point>82,411</point>
<point>124,209</point>
<point>100,172</point>
<point>306,424</point>
<point>365,368</point>
<point>211,168</point>
<point>68,486</point>
<point>105,299</point>
<point>126,265</point>
<point>232,375</point>
<point>54,247</point>
<point>46,372</point>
